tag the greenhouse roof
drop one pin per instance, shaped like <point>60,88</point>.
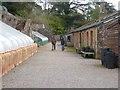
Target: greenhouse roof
<point>11,38</point>
<point>37,34</point>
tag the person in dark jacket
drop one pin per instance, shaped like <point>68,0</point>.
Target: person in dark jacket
<point>62,43</point>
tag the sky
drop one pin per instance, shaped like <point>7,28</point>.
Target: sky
<point>115,2</point>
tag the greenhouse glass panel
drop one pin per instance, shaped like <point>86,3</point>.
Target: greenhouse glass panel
<point>39,38</point>
<point>11,38</point>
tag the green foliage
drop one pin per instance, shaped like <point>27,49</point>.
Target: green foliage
<point>40,19</point>
<point>61,8</point>
<point>110,8</point>
<point>70,16</point>
<point>62,16</point>
<point>83,47</point>
<point>22,9</point>
<point>88,47</point>
<point>95,13</point>
<point>55,23</point>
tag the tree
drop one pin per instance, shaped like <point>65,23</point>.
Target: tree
<point>95,13</point>
<point>71,17</point>
<point>62,16</point>
<point>22,9</point>
<point>56,25</point>
<point>110,8</point>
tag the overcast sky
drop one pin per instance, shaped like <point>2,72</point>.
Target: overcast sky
<point>115,2</point>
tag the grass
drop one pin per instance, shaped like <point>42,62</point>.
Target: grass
<point>70,49</point>
<point>100,66</point>
<point>91,58</point>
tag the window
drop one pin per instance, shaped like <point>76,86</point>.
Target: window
<point>87,39</point>
<point>82,39</point>
<point>68,38</point>
<point>91,35</point>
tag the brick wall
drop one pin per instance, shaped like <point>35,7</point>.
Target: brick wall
<point>108,36</point>
<point>89,38</point>
<point>76,37</point>
<point>119,42</point>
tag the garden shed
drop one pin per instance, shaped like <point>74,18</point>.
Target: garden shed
<point>39,38</point>
<point>15,47</point>
<point>69,40</point>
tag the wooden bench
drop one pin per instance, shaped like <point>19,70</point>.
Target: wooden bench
<point>86,54</point>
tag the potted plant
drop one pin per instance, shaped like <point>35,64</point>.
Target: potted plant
<point>87,48</point>
<point>83,48</point>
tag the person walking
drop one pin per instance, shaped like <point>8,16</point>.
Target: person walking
<point>53,41</point>
<point>62,44</point>
<point>61,37</point>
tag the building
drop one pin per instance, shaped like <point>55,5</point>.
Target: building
<point>39,38</point>
<point>69,40</point>
<point>100,34</point>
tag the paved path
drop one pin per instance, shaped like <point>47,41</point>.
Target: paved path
<point>57,69</point>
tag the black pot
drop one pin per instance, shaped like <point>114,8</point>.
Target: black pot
<point>87,50</point>
<point>103,51</point>
<point>83,49</point>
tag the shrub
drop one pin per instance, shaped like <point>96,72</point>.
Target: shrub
<point>88,47</point>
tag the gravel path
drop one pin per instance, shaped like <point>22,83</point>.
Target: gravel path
<point>60,69</point>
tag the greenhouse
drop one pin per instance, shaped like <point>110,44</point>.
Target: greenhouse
<point>39,38</point>
<point>15,47</point>
<point>11,38</point>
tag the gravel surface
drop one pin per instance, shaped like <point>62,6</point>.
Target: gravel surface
<point>60,69</point>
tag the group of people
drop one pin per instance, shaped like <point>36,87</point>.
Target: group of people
<point>53,41</point>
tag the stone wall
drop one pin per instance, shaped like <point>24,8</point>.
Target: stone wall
<point>41,29</point>
<point>23,25</point>
<point>119,41</point>
<point>46,32</point>
<point>27,28</point>
<point>17,23</point>
<point>9,19</point>
<point>108,36</point>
